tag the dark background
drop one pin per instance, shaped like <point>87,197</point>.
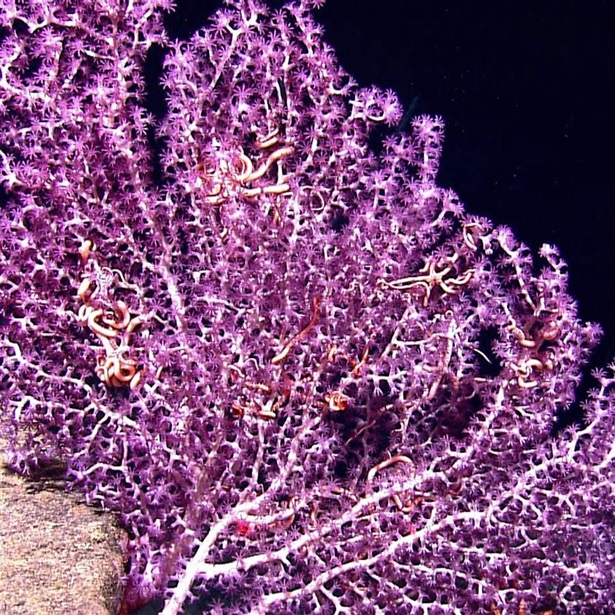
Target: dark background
<point>524,92</point>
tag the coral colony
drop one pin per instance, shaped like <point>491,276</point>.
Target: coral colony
<point>304,378</point>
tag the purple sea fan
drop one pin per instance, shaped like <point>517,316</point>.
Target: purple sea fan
<point>305,379</point>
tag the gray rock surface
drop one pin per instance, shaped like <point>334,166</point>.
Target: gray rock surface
<point>57,555</point>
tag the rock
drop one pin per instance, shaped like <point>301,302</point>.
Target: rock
<point>57,555</point>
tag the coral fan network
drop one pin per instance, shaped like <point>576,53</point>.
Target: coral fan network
<point>304,377</point>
